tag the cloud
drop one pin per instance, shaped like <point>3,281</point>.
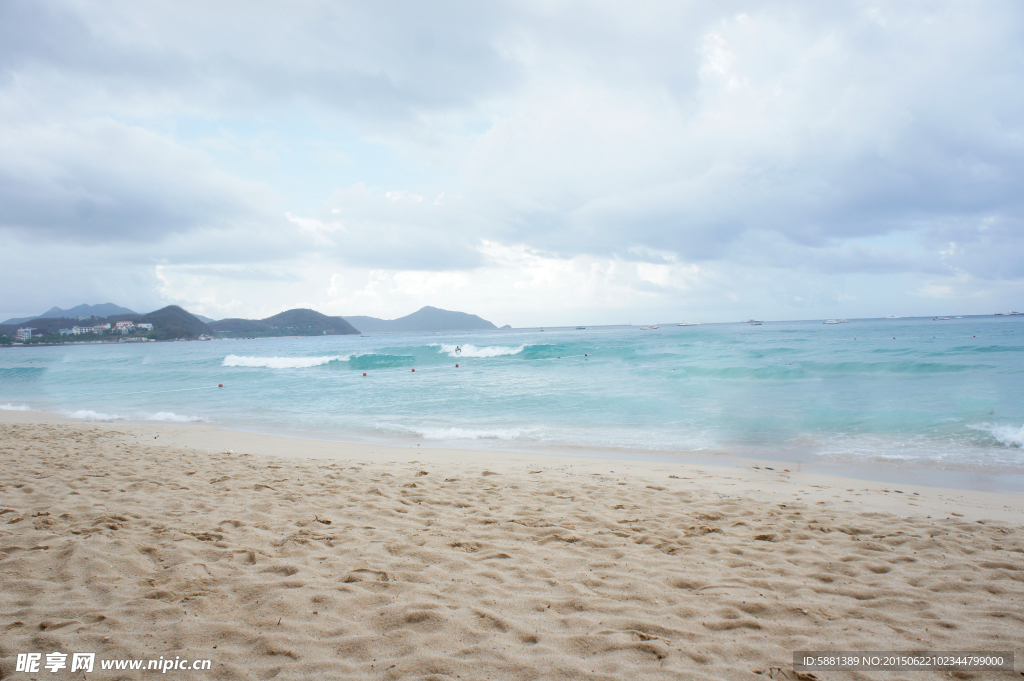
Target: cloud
<point>375,61</point>
<point>102,180</point>
<point>713,154</point>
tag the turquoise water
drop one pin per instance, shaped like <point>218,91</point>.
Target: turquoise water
<point>918,393</point>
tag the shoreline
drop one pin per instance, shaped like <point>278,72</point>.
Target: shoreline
<point>293,559</point>
<point>876,473</point>
<point>760,479</point>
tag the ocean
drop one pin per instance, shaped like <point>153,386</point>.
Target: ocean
<point>917,399</point>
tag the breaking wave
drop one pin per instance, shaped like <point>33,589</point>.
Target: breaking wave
<point>1007,435</point>
<point>14,407</point>
<point>474,351</point>
<point>282,362</point>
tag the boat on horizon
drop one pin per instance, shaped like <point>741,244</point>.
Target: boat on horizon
<point>688,324</point>
<point>652,327</point>
<point>940,319</point>
<point>753,322</point>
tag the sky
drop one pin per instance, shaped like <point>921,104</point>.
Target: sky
<point>535,163</point>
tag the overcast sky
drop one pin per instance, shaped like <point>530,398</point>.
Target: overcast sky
<point>533,163</point>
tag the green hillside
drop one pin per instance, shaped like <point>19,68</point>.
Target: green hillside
<point>298,322</point>
<point>169,323</point>
<point>174,322</point>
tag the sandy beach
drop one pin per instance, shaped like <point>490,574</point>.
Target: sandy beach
<point>287,558</point>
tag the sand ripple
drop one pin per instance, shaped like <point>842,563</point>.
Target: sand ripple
<point>319,569</point>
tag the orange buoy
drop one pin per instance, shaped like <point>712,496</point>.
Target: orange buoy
<point>364,373</point>
<point>220,385</point>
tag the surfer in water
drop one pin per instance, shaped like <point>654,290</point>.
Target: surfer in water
<point>458,350</point>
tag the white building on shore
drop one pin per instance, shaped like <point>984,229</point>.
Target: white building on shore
<point>24,334</point>
<point>99,328</point>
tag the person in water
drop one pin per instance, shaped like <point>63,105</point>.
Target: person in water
<point>458,350</point>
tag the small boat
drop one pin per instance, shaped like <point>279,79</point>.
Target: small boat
<point>831,321</point>
<point>652,327</point>
<point>688,324</point>
<point>753,322</point>
<point>940,319</point>
<point>581,328</point>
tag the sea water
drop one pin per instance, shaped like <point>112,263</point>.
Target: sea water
<point>921,395</point>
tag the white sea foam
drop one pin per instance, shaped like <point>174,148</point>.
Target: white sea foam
<point>14,407</point>
<point>474,351</point>
<point>1008,435</point>
<point>171,416</point>
<point>90,415</point>
<point>282,362</point>
<point>454,433</point>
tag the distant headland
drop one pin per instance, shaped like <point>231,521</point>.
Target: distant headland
<point>108,322</point>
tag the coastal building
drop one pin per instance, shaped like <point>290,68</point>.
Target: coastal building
<point>144,326</point>
<point>123,327</point>
<point>99,328</point>
<point>24,334</point>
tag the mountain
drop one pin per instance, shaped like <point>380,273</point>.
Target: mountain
<point>42,325</point>
<point>204,320</point>
<point>298,322</point>
<point>424,319</point>
<point>174,322</point>
<point>101,310</point>
<point>168,322</point>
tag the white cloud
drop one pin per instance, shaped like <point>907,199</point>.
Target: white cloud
<point>588,158</point>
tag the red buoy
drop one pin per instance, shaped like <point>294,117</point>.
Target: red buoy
<point>414,370</point>
<point>220,385</point>
<point>456,366</point>
<point>584,354</point>
<point>559,357</point>
<point>364,373</point>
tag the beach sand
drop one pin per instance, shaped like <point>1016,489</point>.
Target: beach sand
<point>287,558</point>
